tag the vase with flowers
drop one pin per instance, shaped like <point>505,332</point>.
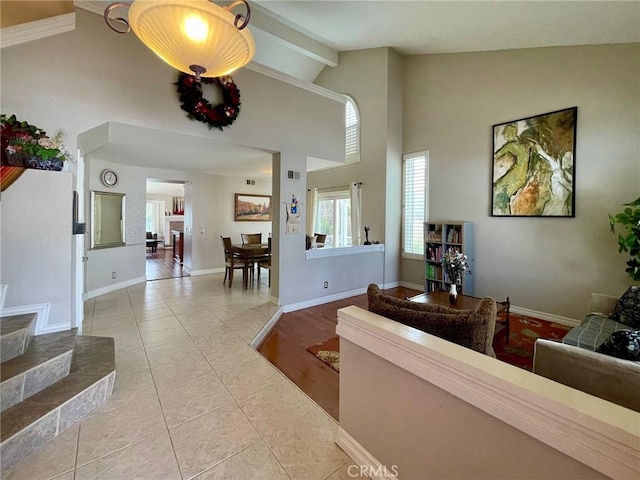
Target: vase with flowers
<point>454,264</point>
<point>26,145</point>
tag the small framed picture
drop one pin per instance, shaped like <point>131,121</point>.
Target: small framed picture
<point>252,208</point>
<point>534,166</point>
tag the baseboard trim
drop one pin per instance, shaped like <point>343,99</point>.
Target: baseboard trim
<point>207,271</point>
<point>550,317</point>
<point>266,330</point>
<point>314,302</point>
<point>413,286</point>
<point>112,288</point>
<point>365,463</point>
<point>42,317</point>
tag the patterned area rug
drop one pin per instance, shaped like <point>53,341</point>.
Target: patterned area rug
<point>328,351</point>
<point>518,352</point>
<point>524,332</point>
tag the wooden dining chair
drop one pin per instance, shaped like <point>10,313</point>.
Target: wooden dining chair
<point>320,239</point>
<point>265,262</point>
<point>232,262</point>
<point>251,237</point>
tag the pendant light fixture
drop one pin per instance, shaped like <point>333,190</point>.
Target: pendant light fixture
<point>197,37</point>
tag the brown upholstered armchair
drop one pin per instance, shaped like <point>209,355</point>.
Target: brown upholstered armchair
<point>473,329</point>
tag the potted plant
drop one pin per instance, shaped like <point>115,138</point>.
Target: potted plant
<point>629,220</point>
<point>28,146</point>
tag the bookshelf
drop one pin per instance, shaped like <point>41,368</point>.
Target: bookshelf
<point>439,236</point>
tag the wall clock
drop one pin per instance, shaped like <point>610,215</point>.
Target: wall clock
<point>109,178</point>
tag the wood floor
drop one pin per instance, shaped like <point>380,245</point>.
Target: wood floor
<point>162,265</point>
<point>286,347</point>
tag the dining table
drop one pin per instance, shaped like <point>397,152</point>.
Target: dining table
<point>249,253</point>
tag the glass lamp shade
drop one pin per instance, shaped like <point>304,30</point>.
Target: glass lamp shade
<point>193,36</point>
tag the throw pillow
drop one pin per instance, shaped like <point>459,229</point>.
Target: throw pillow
<point>622,344</point>
<point>627,310</point>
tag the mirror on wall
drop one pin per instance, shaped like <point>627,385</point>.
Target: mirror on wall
<point>107,221</point>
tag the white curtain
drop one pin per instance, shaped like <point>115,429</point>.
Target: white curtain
<point>312,205</point>
<point>356,223</point>
<point>157,209</point>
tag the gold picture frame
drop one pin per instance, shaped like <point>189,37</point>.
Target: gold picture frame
<point>252,208</point>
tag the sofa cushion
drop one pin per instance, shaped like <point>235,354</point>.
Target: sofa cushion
<point>593,330</point>
<point>627,310</point>
<point>469,328</point>
<point>622,344</point>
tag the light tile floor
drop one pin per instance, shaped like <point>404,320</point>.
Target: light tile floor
<point>191,399</point>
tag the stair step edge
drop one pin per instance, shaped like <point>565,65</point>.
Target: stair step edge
<point>42,349</point>
<point>16,332</point>
<point>48,424</point>
<point>22,385</point>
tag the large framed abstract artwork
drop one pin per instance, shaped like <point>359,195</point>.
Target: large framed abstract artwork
<point>534,166</point>
<point>252,208</point>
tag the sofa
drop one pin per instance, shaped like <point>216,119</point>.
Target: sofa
<point>596,326</point>
<point>473,329</point>
<point>575,363</point>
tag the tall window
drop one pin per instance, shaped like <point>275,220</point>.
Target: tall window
<point>352,131</point>
<point>333,217</point>
<point>414,204</point>
<point>155,217</point>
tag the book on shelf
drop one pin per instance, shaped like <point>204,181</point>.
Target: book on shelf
<point>453,235</point>
<point>433,272</point>
<point>434,236</point>
<point>434,253</point>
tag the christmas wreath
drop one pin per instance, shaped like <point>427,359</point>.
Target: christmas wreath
<point>199,108</point>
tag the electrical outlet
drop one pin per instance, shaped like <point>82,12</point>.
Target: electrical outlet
<point>326,284</point>
<point>113,274</point>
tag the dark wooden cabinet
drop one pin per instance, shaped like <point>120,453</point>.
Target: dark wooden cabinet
<point>178,245</point>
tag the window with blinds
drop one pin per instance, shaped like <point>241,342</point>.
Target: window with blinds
<point>414,204</point>
<point>352,131</point>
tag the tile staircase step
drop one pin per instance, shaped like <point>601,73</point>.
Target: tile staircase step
<point>15,334</point>
<point>44,362</point>
<point>34,421</point>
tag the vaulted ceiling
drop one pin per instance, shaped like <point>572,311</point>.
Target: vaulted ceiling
<point>295,40</point>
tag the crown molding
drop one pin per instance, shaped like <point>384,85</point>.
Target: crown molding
<point>296,82</point>
<point>27,32</point>
<point>93,6</point>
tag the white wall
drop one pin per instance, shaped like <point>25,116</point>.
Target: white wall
<point>128,261</point>
<point>362,75</point>
<point>36,243</point>
<point>373,79</point>
<point>450,104</point>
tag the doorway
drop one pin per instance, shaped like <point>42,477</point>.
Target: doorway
<point>165,222</point>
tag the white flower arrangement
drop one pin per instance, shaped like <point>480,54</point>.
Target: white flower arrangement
<point>454,264</point>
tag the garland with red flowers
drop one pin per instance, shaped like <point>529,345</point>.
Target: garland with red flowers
<point>199,108</point>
